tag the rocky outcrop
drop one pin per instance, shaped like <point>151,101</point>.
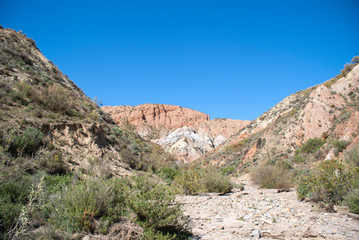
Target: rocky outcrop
<point>86,147</point>
<point>186,143</point>
<point>186,133</point>
<point>220,129</point>
<point>328,111</point>
<point>155,120</point>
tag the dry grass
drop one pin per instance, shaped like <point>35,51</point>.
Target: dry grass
<point>270,176</point>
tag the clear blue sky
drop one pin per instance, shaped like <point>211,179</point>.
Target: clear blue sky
<point>232,59</point>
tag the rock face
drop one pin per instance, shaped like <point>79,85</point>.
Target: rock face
<point>328,111</point>
<point>186,133</point>
<point>153,120</point>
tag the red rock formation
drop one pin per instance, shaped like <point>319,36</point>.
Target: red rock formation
<point>157,121</point>
<point>163,118</point>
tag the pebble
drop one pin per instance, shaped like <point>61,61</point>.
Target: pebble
<point>256,234</point>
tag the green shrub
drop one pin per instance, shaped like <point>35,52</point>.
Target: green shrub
<point>284,164</point>
<point>340,145</point>
<point>169,173</point>
<point>153,205</point>
<point>27,142</point>
<point>298,159</point>
<point>228,170</point>
<point>77,207</point>
<point>132,160</point>
<point>329,182</point>
<point>216,182</point>
<point>55,183</point>
<point>192,180</point>
<point>13,196</point>
<point>30,211</point>
<point>269,176</point>
<point>189,182</point>
<point>52,163</point>
<point>312,145</point>
<point>351,156</point>
<point>352,200</point>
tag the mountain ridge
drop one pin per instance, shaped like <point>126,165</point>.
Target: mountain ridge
<point>186,133</point>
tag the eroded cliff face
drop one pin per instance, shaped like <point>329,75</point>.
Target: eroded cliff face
<point>328,111</point>
<point>186,133</point>
<point>155,120</point>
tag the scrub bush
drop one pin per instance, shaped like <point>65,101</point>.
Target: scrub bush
<point>153,205</point>
<point>352,200</point>
<point>271,176</point>
<point>312,145</point>
<point>79,206</point>
<point>329,182</point>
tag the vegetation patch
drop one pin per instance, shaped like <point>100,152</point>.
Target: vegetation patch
<point>312,145</point>
<point>272,176</point>
<point>340,145</point>
<point>329,182</point>
<point>153,206</point>
<point>191,180</point>
<point>20,142</point>
<point>352,200</point>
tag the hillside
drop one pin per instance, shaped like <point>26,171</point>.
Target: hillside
<point>65,165</point>
<point>327,113</point>
<point>36,96</point>
<point>185,133</point>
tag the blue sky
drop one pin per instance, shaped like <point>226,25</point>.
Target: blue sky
<point>230,59</point>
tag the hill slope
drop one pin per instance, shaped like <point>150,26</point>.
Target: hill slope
<point>328,112</point>
<point>38,103</point>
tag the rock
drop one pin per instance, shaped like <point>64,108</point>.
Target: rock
<point>282,190</point>
<point>246,217</point>
<point>309,234</point>
<point>256,234</point>
<point>219,218</point>
<point>77,236</point>
<point>186,143</point>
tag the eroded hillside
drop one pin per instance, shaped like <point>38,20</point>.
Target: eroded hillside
<point>36,99</point>
<point>327,113</point>
<point>186,133</point>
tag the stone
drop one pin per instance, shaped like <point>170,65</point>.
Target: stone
<point>256,234</point>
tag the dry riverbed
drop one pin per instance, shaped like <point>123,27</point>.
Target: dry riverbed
<point>266,214</point>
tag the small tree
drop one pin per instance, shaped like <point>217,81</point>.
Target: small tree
<point>355,60</point>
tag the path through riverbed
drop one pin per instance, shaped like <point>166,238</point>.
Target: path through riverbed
<point>266,214</point>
